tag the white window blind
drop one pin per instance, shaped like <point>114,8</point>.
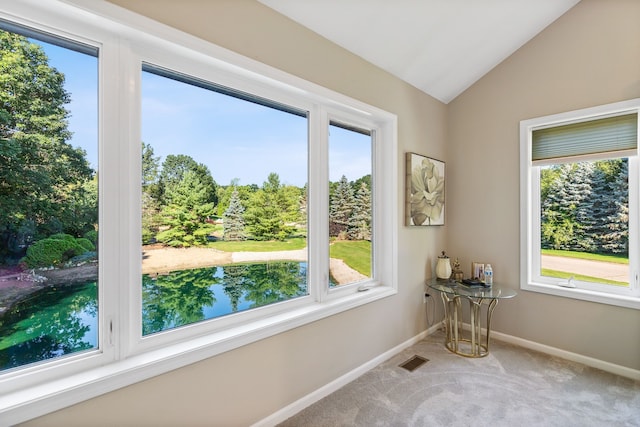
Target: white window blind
<point>611,134</point>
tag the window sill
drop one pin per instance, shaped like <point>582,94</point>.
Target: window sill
<point>585,295</point>
<point>44,398</point>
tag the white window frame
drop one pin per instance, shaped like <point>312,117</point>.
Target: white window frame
<point>123,357</point>
<point>530,278</point>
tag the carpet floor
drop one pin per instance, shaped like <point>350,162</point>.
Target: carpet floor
<point>512,386</point>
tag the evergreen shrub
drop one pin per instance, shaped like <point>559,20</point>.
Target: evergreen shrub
<point>86,244</point>
<point>52,251</point>
<point>92,236</point>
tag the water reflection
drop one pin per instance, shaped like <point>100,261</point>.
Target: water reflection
<point>188,296</point>
<point>50,323</point>
<point>63,319</point>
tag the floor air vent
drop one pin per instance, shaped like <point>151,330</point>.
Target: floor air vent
<point>414,363</point>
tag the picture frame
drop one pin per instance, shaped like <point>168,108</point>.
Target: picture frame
<point>477,271</point>
<point>425,191</point>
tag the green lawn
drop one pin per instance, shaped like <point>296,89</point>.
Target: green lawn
<point>260,246</point>
<point>618,259</point>
<point>356,254</point>
<point>565,275</point>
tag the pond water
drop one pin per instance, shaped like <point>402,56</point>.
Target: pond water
<point>61,320</point>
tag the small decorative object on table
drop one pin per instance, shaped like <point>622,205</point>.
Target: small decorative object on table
<point>457,273</point>
<point>443,268</point>
<point>477,271</point>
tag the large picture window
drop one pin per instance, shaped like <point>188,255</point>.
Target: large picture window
<point>580,204</point>
<point>224,177</point>
<point>48,197</point>
<point>229,202</point>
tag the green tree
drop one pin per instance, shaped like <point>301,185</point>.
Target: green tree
<point>188,213</point>
<point>585,206</point>
<point>360,221</point>
<point>151,220</point>
<point>615,238</point>
<point>40,173</point>
<point>173,171</point>
<point>269,211</point>
<point>564,210</point>
<point>233,219</point>
<point>341,207</point>
<point>224,195</point>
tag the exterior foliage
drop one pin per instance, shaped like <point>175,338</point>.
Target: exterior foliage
<point>360,221</point>
<point>55,250</point>
<point>150,194</point>
<point>177,207</point>
<point>350,210</point>
<point>187,213</point>
<point>341,209</point>
<point>585,207</point>
<point>270,211</point>
<point>46,183</point>
<point>233,219</point>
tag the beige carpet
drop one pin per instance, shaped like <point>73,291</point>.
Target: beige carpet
<point>512,386</point>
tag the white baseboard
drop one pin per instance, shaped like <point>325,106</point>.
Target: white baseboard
<point>297,406</point>
<point>623,371</point>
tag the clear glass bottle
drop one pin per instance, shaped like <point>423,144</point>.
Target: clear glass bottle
<point>488,275</point>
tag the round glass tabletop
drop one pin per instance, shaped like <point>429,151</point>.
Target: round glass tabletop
<point>451,287</point>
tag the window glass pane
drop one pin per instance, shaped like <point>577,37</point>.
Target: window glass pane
<point>350,204</point>
<point>48,197</point>
<point>223,201</point>
<point>584,221</point>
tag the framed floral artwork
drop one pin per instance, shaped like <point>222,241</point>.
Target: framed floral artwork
<point>425,191</point>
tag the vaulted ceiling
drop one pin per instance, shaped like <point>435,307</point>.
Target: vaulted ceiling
<point>439,46</point>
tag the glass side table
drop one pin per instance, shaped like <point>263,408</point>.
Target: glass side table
<point>452,293</point>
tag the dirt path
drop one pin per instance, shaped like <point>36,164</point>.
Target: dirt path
<point>604,270</point>
<point>161,260</point>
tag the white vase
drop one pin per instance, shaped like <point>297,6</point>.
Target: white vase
<point>443,268</point>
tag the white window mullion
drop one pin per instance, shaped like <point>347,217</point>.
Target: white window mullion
<point>318,204</point>
<point>110,187</point>
<point>129,146</point>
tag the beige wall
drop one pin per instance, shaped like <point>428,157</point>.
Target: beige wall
<point>243,386</point>
<point>588,57</point>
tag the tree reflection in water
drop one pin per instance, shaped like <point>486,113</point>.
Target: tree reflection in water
<point>60,320</point>
<point>50,323</point>
<point>188,296</point>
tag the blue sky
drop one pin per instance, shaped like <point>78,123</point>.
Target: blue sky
<point>233,137</point>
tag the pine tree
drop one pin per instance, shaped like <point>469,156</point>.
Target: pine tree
<point>233,219</point>
<point>360,221</point>
<point>565,210</point>
<point>601,207</point>
<point>269,211</point>
<point>616,237</point>
<point>556,229</point>
<point>188,213</point>
<point>341,208</point>
<point>579,203</point>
